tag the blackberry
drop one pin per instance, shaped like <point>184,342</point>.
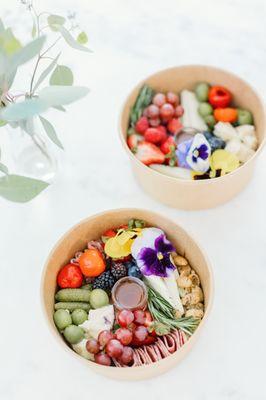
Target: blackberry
<point>119,270</point>
<point>104,281</point>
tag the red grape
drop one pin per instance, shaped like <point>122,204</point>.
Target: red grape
<point>139,317</point>
<point>92,346</point>
<point>103,359</point>
<point>125,317</point>
<point>114,348</point>
<point>104,338</point>
<point>179,111</point>
<point>153,111</point>
<point>124,335</point>
<point>159,99</point>
<point>127,355</point>
<point>167,111</point>
<point>140,333</point>
<point>172,98</point>
<point>145,112</point>
<point>154,122</point>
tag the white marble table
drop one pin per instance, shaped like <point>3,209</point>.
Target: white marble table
<point>131,39</point>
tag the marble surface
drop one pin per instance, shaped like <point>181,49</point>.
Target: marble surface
<point>132,39</point>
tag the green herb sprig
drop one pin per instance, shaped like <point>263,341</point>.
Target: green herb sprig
<point>143,100</point>
<point>164,314</point>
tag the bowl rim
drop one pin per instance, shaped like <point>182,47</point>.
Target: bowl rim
<point>121,371</point>
<point>175,179</point>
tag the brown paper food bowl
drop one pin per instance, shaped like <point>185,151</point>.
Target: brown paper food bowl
<point>200,194</point>
<point>78,236</point>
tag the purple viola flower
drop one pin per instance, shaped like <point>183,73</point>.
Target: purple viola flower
<point>182,152</point>
<point>200,152</point>
<point>198,157</point>
<point>152,252</point>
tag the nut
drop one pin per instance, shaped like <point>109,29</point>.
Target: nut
<point>193,312</point>
<point>180,261</point>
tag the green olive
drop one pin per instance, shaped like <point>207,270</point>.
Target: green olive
<point>98,298</point>
<point>244,117</point>
<point>202,91</point>
<point>73,334</point>
<point>210,121</point>
<point>62,319</point>
<point>79,316</point>
<point>205,109</point>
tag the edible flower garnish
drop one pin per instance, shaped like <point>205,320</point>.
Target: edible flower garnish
<point>224,162</point>
<point>152,252</point>
<point>199,153</point>
<point>182,153</point>
<point>120,245</point>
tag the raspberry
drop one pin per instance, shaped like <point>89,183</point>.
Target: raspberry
<point>118,270</point>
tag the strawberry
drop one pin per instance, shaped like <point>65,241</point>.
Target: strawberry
<point>153,135</point>
<point>174,126</point>
<point>133,140</point>
<point>163,132</point>
<point>148,153</point>
<point>141,125</point>
<point>166,146</point>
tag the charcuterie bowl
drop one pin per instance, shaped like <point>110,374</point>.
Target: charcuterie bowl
<point>90,229</point>
<point>191,194</point>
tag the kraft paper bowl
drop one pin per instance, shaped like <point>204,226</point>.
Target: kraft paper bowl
<point>92,228</point>
<point>200,194</point>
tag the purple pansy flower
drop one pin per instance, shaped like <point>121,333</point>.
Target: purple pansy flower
<point>152,252</point>
<point>182,152</point>
<point>199,153</point>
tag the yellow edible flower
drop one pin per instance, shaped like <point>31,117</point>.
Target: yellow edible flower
<point>224,161</point>
<point>120,245</point>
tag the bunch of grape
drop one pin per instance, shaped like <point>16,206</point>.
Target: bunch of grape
<point>132,331</point>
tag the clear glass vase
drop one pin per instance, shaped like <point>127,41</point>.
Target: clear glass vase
<point>32,152</point>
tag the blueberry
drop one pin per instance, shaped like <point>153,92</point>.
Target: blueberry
<point>134,271</point>
<point>215,142</point>
<point>130,264</point>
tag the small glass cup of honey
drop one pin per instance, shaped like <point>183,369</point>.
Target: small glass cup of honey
<point>130,293</point>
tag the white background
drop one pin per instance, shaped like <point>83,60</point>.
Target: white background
<point>132,39</point>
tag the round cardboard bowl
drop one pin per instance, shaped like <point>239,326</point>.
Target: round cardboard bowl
<point>78,236</point>
<point>201,194</point>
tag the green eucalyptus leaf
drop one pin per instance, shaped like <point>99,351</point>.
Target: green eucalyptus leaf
<point>23,110</point>
<point>34,30</point>
<point>46,72</point>
<point>62,76</point>
<point>70,40</point>
<point>20,188</point>
<point>2,122</point>
<point>3,168</point>
<point>82,38</point>
<point>54,21</point>
<point>61,95</point>
<point>8,42</point>
<point>49,129</point>
<point>26,53</point>
<point>59,108</point>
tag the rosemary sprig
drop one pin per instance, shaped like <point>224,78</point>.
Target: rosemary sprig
<point>143,100</point>
<point>164,313</point>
